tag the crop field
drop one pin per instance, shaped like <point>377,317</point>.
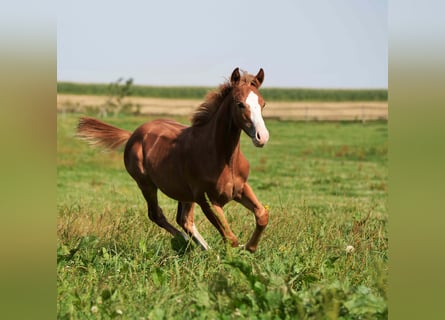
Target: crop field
<point>283,110</point>
<point>283,103</point>
<point>324,254</point>
<point>271,94</point>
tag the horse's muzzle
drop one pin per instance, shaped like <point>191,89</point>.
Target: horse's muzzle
<point>260,137</point>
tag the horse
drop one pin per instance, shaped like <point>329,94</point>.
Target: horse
<point>198,164</point>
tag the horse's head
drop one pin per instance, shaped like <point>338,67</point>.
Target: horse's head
<point>248,105</point>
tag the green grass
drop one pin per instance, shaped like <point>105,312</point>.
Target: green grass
<point>325,185</point>
<point>270,94</point>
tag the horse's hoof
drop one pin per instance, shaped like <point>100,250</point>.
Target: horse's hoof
<point>180,243</point>
<point>248,248</point>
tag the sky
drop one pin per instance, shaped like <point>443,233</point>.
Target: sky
<point>306,44</point>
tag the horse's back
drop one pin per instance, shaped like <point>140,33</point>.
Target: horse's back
<point>159,128</point>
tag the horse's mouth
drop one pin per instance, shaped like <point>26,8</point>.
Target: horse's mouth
<point>257,143</point>
<point>259,137</point>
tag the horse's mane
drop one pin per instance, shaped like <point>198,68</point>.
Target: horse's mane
<point>214,99</point>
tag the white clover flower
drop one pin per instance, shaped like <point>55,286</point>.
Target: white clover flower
<point>119,311</point>
<point>349,249</point>
<point>94,309</point>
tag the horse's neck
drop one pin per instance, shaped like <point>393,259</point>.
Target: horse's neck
<point>224,135</point>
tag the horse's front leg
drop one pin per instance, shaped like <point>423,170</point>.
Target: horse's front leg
<point>216,216</point>
<point>250,201</point>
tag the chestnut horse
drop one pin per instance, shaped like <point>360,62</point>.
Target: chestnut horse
<point>200,164</point>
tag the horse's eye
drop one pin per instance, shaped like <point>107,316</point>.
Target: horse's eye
<point>241,105</point>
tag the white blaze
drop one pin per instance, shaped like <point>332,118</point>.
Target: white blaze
<point>256,116</point>
<point>255,109</point>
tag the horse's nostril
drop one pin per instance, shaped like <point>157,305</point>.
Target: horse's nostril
<point>258,137</point>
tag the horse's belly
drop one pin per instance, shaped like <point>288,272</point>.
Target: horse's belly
<point>164,161</point>
<point>168,176</point>
<point>177,191</point>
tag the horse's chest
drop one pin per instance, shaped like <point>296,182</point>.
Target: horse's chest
<point>229,186</point>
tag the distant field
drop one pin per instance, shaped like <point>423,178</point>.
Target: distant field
<point>271,94</point>
<point>291,110</point>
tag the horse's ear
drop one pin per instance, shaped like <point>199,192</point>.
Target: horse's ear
<point>259,77</point>
<point>235,77</point>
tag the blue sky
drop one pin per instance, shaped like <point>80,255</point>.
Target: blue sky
<point>312,44</point>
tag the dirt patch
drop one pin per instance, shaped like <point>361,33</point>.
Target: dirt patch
<point>323,111</point>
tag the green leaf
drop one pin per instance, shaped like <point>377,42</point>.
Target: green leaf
<point>156,314</point>
<point>365,302</point>
<point>202,298</point>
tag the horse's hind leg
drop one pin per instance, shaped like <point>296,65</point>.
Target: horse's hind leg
<point>185,218</point>
<point>155,213</point>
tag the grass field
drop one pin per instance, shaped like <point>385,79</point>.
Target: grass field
<point>325,185</point>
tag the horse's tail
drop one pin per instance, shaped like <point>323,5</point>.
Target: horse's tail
<point>99,133</point>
